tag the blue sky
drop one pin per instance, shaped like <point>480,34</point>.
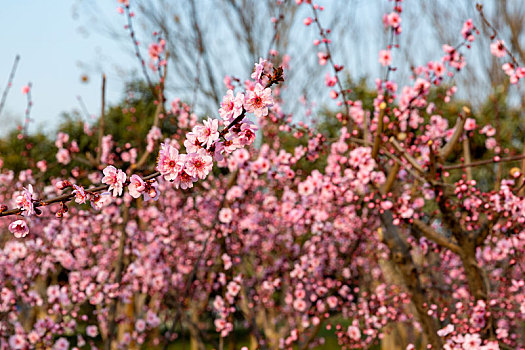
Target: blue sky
<point>60,40</point>
<point>52,47</point>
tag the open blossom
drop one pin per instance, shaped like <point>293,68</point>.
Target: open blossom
<point>445,331</point>
<point>225,215</point>
<point>151,191</point>
<point>385,57</point>
<point>354,333</point>
<point>61,344</point>
<point>19,228</point>
<point>467,30</point>
<point>169,162</point>
<point>497,48</point>
<point>80,194</point>
<point>258,101</point>
<point>231,107</point>
<point>184,180</point>
<point>470,124</point>
<point>259,68</point>
<point>393,19</point>
<point>25,201</point>
<point>136,186</point>
<point>63,156</point>
<point>192,143</point>
<point>92,331</point>
<point>199,165</point>
<point>156,49</point>
<point>115,178</point>
<point>17,341</point>
<point>207,133</point>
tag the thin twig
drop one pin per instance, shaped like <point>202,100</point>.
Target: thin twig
<point>101,120</point>
<point>484,162</point>
<point>9,83</point>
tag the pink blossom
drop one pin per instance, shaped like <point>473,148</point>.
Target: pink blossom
<point>136,186</point>
<point>329,80</point>
<point>140,325</point>
<point>497,48</point>
<point>25,89</point>
<point>61,139</point>
<point>445,331</point>
<point>80,194</point>
<point>25,201</point>
<point>115,178</point>
<point>61,344</point>
<point>63,156</point>
<point>385,57</point>
<point>471,341</point>
<point>207,133</point>
<point>393,19</point>
<point>231,107</point>
<point>17,341</point>
<point>258,101</point>
<point>299,305</point>
<point>467,29</point>
<point>233,288</point>
<point>156,49</point>
<point>225,215</point>
<point>98,201</point>
<point>42,165</point>
<point>152,191</point>
<point>92,331</point>
<point>19,228</point>
<point>259,67</point>
<point>323,58</point>
<point>470,124</point>
<point>169,162</point>
<point>198,165</point>
<point>354,333</point>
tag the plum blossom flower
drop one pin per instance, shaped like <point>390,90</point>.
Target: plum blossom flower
<point>99,201</point>
<point>184,180</point>
<point>25,89</point>
<point>80,194</point>
<point>115,178</point>
<point>207,133</point>
<point>259,68</point>
<point>385,58</point>
<point>231,107</point>
<point>199,165</point>
<point>393,19</point>
<point>61,344</point>
<point>152,191</point>
<point>471,341</point>
<point>470,124</point>
<point>497,48</point>
<point>140,325</point>
<point>354,333</point>
<point>63,156</point>
<point>19,228</point>
<point>136,186</point>
<point>156,49</point>
<point>92,331</point>
<point>258,101</point>
<point>225,215</point>
<point>170,163</point>
<point>445,331</point>
<point>17,341</point>
<point>467,29</point>
<point>25,201</point>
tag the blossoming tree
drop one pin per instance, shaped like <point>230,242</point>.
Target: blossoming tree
<point>386,238</point>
